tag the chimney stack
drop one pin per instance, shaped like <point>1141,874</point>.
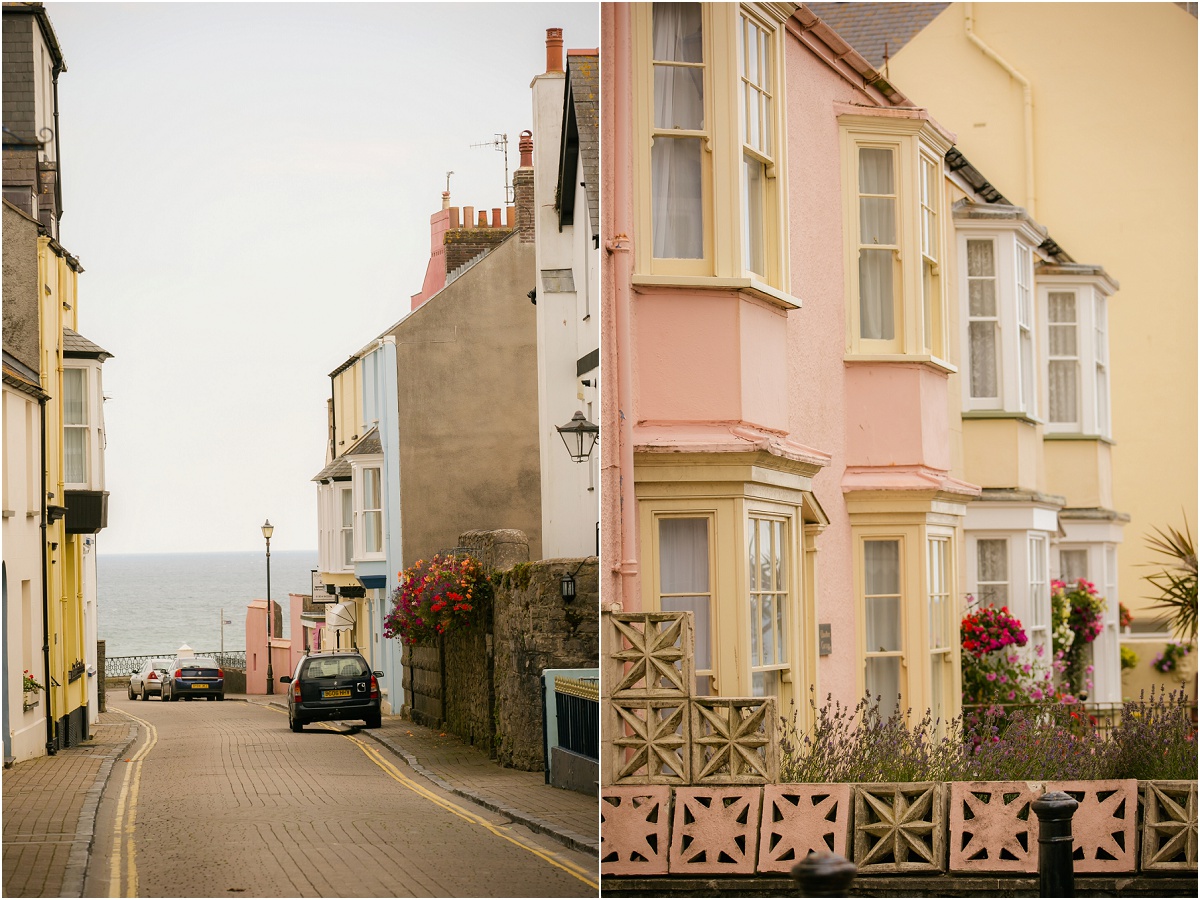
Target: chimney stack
<point>526,145</point>
<point>523,190</point>
<point>554,51</point>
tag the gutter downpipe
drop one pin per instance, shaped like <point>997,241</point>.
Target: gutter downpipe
<point>630,598</point>
<point>50,748</point>
<point>58,69</point>
<point>1027,91</point>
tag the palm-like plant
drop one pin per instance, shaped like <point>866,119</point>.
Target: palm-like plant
<point>1176,582</point>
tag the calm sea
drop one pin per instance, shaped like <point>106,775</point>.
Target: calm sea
<point>154,602</point>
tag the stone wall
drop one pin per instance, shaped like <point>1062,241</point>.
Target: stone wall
<point>423,684</point>
<point>535,630</point>
<point>468,685</point>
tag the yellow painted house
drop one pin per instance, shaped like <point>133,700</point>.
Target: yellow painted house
<point>1084,115</point>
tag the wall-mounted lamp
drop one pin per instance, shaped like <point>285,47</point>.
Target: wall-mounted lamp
<point>580,436</point>
<point>568,587</point>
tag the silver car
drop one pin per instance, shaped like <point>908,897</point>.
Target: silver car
<point>148,680</point>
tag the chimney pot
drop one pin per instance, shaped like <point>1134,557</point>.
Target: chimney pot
<point>445,199</point>
<point>468,216</point>
<point>454,218</point>
<point>496,223</point>
<point>526,146</point>
<point>554,51</point>
<point>510,217</point>
<point>483,218</point>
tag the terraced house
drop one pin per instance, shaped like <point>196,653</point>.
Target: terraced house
<point>55,500</point>
<point>836,365</point>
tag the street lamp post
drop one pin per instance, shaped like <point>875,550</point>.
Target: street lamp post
<point>268,530</point>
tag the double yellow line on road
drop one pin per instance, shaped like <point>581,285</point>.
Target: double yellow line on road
<point>123,847</point>
<point>552,858</point>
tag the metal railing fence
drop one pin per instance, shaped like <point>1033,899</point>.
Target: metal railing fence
<point>577,707</point>
<point>124,666</point>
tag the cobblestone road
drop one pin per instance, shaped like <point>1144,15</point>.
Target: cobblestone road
<point>222,799</point>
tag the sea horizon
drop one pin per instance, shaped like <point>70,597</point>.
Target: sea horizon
<point>154,602</point>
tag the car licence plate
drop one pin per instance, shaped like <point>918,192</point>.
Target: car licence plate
<point>339,693</point>
<point>197,687</point>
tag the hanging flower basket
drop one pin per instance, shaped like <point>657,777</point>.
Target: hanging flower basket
<point>435,598</point>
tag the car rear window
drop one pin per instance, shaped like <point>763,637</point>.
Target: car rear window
<point>193,666</point>
<point>336,667</point>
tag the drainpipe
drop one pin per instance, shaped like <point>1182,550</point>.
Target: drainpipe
<point>622,263</point>
<point>58,69</point>
<point>1027,92</point>
<point>50,748</point>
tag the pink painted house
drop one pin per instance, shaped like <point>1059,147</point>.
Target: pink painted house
<point>835,356</point>
<point>780,345</point>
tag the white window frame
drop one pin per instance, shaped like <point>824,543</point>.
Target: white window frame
<point>942,620</point>
<point>918,147</point>
<point>359,465</point>
<point>1014,241</point>
<point>1101,570</point>
<point>1038,626</point>
<point>81,430</point>
<point>1006,583</point>
<point>1092,289</point>
<point>705,676</point>
<point>901,597</point>
<point>343,491</point>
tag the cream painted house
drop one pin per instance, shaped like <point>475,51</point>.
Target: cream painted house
<point>1084,114</point>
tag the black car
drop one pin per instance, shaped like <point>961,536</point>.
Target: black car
<point>188,679</point>
<point>333,686</point>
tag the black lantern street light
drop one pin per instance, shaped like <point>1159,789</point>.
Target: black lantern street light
<point>580,436</point>
<point>268,529</point>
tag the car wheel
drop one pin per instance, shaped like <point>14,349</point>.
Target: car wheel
<point>131,690</point>
<point>375,721</point>
<point>220,696</point>
<point>297,724</point>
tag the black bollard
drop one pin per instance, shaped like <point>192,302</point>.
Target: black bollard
<point>824,875</point>
<point>1056,846</point>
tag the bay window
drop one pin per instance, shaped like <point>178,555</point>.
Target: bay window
<point>893,210</point>
<point>1073,299</point>
<point>372,510</point>
<point>76,430</point>
<point>992,568</point>
<point>346,532</point>
<point>710,128</point>
<point>769,593</point>
<point>883,598</point>
<point>1096,562</point>
<point>685,584</point>
<point>943,633</point>
<point>1038,626</point>
<point>996,250</point>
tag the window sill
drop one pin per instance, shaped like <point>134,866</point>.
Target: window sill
<point>1001,414</point>
<point>751,286</point>
<point>1075,436</point>
<point>920,359</point>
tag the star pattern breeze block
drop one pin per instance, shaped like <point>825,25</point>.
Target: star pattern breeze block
<point>801,818</point>
<point>899,828</point>
<point>1169,826</point>
<point>1105,824</point>
<point>648,655</point>
<point>635,825</point>
<point>733,740</point>
<point>646,741</point>
<point>993,828</point>
<point>715,830</point>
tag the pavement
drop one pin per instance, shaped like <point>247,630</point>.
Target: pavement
<point>50,803</point>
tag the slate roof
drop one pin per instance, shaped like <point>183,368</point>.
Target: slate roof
<point>868,27</point>
<point>366,445</point>
<point>583,94</point>
<point>338,470</point>
<point>76,346</point>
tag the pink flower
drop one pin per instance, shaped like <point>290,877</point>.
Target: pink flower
<point>991,676</point>
<point>1036,694</point>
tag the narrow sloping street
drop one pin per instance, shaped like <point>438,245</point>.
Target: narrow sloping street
<point>222,799</point>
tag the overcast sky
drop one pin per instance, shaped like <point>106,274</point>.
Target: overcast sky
<point>248,187</point>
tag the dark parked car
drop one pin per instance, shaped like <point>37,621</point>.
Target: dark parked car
<point>194,678</point>
<point>333,686</point>
<point>149,679</point>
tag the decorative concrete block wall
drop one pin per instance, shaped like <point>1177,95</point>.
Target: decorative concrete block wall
<point>1169,826</point>
<point>798,819</point>
<point>734,741</point>
<point>900,828</point>
<point>714,831</point>
<point>993,828</point>
<point>635,829</point>
<point>1104,825</point>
